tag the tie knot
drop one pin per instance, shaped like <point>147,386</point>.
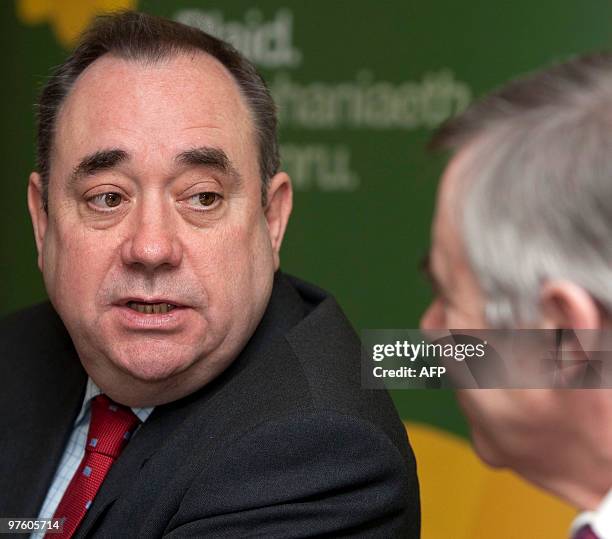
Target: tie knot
<point>110,428</point>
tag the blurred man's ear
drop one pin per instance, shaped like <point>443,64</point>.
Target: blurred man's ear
<point>566,305</point>
<point>38,213</point>
<point>278,210</point>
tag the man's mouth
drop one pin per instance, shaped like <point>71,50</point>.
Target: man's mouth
<point>151,308</point>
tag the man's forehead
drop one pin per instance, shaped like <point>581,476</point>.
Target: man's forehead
<point>448,251</point>
<point>195,85</point>
<point>184,96</point>
<point>182,64</point>
<point>455,180</point>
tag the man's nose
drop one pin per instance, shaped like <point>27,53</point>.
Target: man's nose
<point>433,317</point>
<point>152,242</point>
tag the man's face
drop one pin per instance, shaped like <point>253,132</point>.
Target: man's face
<point>522,429</point>
<point>156,251</point>
<point>458,302</point>
<point>504,422</point>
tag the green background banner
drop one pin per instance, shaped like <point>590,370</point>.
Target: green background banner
<point>360,86</point>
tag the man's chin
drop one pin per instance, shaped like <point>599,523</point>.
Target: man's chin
<point>152,363</point>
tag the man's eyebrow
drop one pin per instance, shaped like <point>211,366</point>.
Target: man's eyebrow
<point>97,161</point>
<point>209,157</point>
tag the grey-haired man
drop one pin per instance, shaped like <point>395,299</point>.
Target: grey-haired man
<point>522,237</point>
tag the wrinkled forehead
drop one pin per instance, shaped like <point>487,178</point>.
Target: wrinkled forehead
<point>180,91</point>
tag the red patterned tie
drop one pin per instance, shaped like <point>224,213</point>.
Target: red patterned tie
<point>586,532</point>
<point>109,430</point>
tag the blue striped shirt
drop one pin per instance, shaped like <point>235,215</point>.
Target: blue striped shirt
<point>74,452</point>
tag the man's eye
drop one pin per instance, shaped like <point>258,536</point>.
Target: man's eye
<point>106,201</point>
<point>204,200</point>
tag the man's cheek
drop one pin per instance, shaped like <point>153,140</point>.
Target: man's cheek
<point>475,407</point>
<point>50,261</point>
<point>69,269</point>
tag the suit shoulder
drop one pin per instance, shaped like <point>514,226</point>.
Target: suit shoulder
<point>352,477</point>
<point>328,352</point>
<point>33,328</point>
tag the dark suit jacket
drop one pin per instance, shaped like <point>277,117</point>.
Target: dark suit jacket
<point>284,443</point>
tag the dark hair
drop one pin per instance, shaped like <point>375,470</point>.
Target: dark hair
<point>139,36</point>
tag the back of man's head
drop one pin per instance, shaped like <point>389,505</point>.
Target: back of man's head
<point>522,238</point>
<point>536,192</point>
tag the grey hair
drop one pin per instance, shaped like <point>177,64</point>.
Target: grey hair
<point>537,186</point>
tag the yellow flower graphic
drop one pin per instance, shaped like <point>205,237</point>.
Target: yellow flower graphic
<point>67,17</point>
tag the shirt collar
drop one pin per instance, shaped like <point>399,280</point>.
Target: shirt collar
<point>600,519</point>
<point>92,390</point>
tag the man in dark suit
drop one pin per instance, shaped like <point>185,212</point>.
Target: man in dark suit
<point>178,384</point>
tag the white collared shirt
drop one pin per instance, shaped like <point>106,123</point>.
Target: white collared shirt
<point>74,452</point>
<point>600,520</point>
